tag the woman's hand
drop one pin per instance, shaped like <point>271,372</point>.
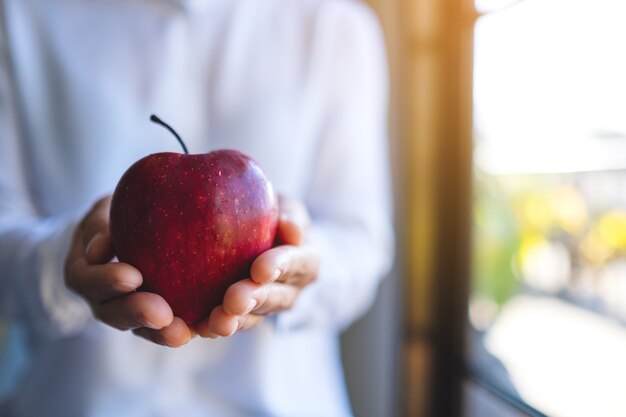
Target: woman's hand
<point>109,287</point>
<point>276,278</point>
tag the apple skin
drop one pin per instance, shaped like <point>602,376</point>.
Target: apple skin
<point>192,225</point>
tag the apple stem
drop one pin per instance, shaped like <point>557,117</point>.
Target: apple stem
<point>155,119</point>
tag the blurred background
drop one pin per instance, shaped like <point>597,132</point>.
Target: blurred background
<point>508,136</point>
<point>508,144</point>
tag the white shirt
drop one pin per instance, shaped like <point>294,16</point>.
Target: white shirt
<point>299,85</point>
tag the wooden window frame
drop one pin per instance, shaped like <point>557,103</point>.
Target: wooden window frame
<point>437,62</point>
<point>430,45</point>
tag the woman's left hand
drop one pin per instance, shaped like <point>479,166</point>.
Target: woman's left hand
<point>276,278</point>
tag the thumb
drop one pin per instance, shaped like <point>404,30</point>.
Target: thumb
<point>293,221</point>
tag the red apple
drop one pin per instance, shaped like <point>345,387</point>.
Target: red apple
<point>193,224</point>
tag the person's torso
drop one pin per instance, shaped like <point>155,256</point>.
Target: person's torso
<point>240,74</point>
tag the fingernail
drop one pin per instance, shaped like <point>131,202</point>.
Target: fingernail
<point>151,325</point>
<point>251,306</point>
<point>276,274</point>
<point>235,328</point>
<point>126,286</point>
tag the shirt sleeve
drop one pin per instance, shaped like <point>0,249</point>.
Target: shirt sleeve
<point>349,196</point>
<point>32,247</point>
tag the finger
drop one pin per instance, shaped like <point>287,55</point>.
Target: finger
<point>175,335</point>
<point>98,283</point>
<point>100,248</point>
<point>219,323</point>
<point>75,254</point>
<point>296,265</point>
<point>247,296</point>
<point>249,321</point>
<point>293,221</point>
<point>289,233</point>
<point>140,309</point>
<point>274,298</point>
<point>203,330</point>
<point>241,297</point>
<point>97,221</point>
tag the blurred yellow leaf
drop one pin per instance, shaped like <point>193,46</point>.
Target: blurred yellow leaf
<point>612,229</point>
<point>529,242</point>
<point>595,248</point>
<point>537,212</point>
<point>570,209</point>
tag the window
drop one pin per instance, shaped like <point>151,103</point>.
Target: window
<point>548,298</point>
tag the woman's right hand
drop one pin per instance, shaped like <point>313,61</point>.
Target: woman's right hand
<point>109,287</point>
